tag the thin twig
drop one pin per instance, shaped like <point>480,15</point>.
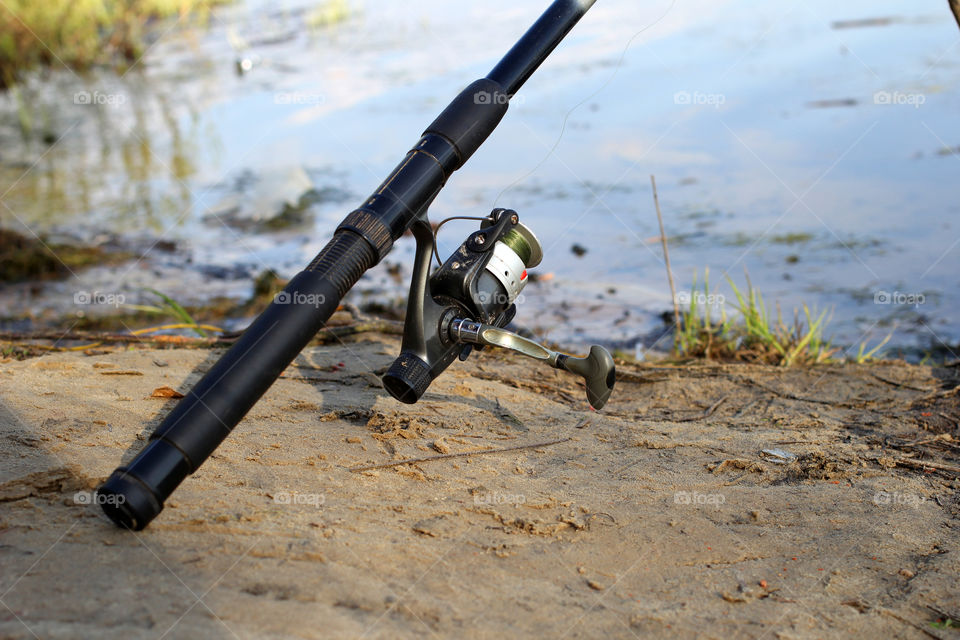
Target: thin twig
<point>632,464</point>
<point>926,464</point>
<point>946,614</point>
<point>915,443</point>
<point>630,376</point>
<point>523,384</point>
<point>792,396</point>
<point>744,408</point>
<point>902,385</point>
<point>23,338</point>
<point>707,413</point>
<point>666,259</point>
<point>897,616</point>
<point>946,393</point>
<point>955,8</point>
<point>458,455</point>
<point>328,334</point>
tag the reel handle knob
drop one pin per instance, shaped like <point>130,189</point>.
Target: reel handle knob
<point>597,368</point>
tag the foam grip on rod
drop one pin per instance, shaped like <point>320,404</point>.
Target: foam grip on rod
<point>134,494</point>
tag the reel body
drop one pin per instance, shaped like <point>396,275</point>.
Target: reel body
<point>466,303</point>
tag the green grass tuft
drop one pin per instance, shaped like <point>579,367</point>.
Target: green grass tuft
<point>171,308</point>
<point>752,334</point>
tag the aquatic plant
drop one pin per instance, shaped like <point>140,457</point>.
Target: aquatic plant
<point>81,33</point>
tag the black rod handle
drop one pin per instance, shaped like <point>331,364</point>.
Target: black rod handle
<point>207,415</point>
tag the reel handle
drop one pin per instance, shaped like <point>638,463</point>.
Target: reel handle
<point>596,368</point>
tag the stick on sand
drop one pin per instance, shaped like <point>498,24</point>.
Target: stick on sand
<point>666,256</point>
<point>463,454</point>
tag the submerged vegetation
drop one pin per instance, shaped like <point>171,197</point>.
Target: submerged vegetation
<point>81,33</point>
<point>167,306</point>
<point>751,334</point>
<point>32,258</point>
<point>196,318</point>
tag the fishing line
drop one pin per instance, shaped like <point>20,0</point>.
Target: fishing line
<point>563,127</point>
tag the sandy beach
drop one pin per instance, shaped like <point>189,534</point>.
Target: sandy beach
<point>659,516</point>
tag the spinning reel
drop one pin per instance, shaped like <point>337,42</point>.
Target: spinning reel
<point>466,303</point>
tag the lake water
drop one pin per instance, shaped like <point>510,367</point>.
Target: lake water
<point>813,144</point>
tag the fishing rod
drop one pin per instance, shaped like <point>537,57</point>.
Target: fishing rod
<point>462,305</point>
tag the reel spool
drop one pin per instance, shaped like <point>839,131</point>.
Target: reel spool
<point>505,274</point>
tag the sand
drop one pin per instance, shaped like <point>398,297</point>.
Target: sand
<point>657,517</point>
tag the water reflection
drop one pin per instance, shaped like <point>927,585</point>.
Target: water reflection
<point>120,159</point>
<point>810,144</point>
